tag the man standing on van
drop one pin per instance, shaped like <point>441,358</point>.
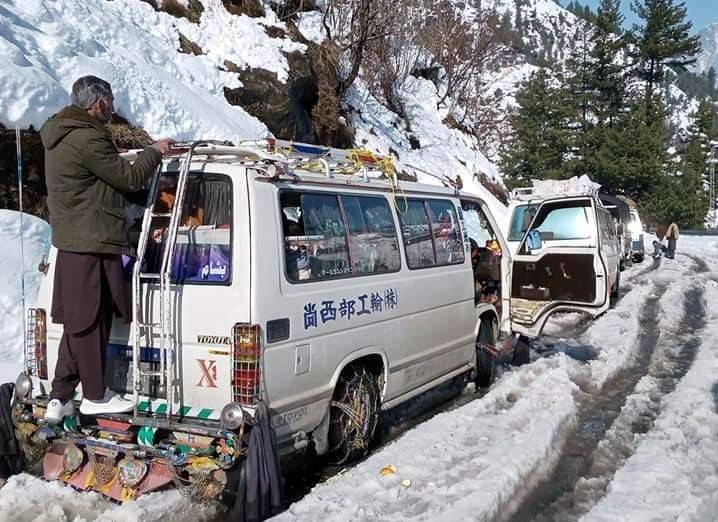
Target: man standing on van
<point>86,182</point>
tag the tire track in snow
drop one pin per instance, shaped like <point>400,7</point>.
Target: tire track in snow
<point>610,420</point>
<point>597,411</point>
<point>650,268</point>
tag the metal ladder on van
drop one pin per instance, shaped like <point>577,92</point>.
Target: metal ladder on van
<point>142,327</point>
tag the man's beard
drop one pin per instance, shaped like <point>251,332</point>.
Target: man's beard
<point>105,118</point>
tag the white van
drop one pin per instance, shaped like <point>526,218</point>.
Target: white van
<point>328,296</point>
<point>568,260</point>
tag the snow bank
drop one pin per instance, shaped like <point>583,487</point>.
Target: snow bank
<point>46,46</point>
<point>36,242</point>
<point>28,499</point>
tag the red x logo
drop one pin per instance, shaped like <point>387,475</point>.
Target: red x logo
<point>209,373</point>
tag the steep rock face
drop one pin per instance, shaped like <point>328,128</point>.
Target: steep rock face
<point>709,41</point>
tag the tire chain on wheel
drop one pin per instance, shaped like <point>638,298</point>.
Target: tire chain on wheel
<point>356,404</point>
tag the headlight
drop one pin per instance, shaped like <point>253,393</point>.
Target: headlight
<point>23,386</point>
<point>232,416</point>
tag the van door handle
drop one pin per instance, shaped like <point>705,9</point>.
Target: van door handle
<point>563,271</point>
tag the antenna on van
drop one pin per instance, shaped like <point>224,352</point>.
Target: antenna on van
<point>18,151</point>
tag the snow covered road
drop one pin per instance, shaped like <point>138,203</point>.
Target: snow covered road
<point>614,419</point>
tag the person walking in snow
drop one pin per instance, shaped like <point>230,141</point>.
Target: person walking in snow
<point>86,182</point>
<point>672,237</point>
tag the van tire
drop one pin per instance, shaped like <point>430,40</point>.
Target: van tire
<point>638,258</point>
<point>485,362</point>
<point>356,391</point>
<point>522,352</point>
<point>616,286</point>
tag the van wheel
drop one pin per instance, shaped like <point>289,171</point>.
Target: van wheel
<point>353,415</point>
<point>486,362</point>
<point>522,352</point>
<point>616,285</point>
<point>638,258</point>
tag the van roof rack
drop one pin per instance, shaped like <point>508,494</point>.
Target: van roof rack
<point>291,155</point>
<point>547,188</point>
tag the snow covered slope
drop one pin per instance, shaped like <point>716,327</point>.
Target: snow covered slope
<point>36,241</point>
<point>709,41</point>
<point>46,46</point>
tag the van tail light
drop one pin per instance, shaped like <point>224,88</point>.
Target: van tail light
<point>246,363</point>
<point>36,343</point>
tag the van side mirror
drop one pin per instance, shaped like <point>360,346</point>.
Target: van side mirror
<point>533,240</point>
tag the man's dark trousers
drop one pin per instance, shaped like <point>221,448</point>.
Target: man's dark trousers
<point>88,290</point>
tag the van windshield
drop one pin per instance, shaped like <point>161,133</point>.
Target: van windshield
<point>564,221</point>
<point>520,221</point>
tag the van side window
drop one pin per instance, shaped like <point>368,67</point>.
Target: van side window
<point>373,244</point>
<point>315,241</point>
<point>446,231</point>
<point>203,252</point>
<point>417,235</point>
<point>432,236</point>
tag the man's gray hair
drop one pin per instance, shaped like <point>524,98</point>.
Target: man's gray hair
<point>87,90</point>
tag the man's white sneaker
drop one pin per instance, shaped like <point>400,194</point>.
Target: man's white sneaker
<point>58,410</point>
<point>110,403</point>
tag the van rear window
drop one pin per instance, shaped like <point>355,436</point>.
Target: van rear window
<point>203,252</point>
<point>329,235</point>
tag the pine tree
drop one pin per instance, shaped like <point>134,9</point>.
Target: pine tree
<point>607,75</point>
<point>640,146</point>
<point>540,141</point>
<point>711,75</point>
<point>663,41</point>
<point>694,165</point>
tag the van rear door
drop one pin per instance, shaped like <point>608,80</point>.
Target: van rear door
<point>557,266</point>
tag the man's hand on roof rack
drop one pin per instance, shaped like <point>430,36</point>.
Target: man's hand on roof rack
<point>163,146</point>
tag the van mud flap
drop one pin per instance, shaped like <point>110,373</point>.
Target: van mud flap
<point>101,468</point>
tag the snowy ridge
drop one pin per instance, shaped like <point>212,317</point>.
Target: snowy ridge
<point>543,24</point>
<point>709,42</point>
